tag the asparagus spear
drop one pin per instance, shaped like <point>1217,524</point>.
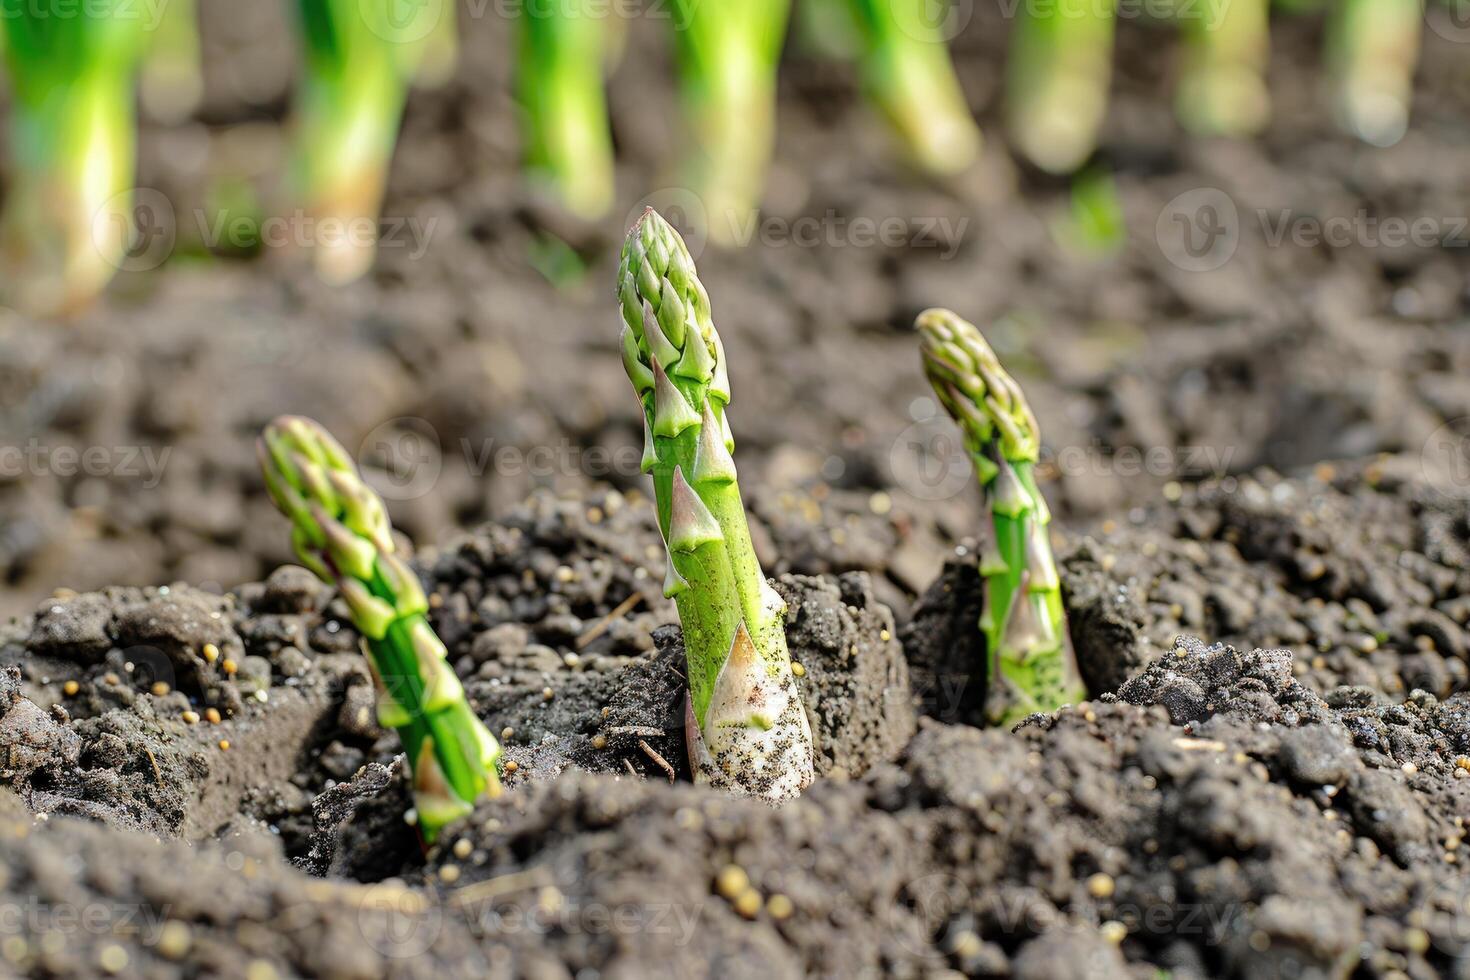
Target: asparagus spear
<point>360,59</point>
<point>1223,88</point>
<point>339,530</point>
<point>564,111</point>
<point>1060,68</point>
<point>1372,50</point>
<point>909,75</point>
<point>746,728</point>
<point>173,82</point>
<point>728,51</point>
<point>1030,664</point>
<point>73,131</point>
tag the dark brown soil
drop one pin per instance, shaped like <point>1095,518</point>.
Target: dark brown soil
<point>192,782</point>
<point>1283,812</point>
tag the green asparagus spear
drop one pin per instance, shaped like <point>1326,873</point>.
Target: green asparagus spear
<point>564,110</point>
<point>173,78</point>
<point>1030,663</point>
<point>360,59</point>
<point>1223,88</point>
<point>746,728</point>
<point>1372,51</point>
<point>339,530</point>
<point>73,131</point>
<point>728,50</point>
<point>909,74</point>
<point>1060,69</point>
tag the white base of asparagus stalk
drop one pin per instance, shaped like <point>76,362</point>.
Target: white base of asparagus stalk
<point>756,740</point>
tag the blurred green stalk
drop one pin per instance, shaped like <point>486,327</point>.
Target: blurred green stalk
<point>1222,91</point>
<point>728,51</point>
<point>1372,51</point>
<point>173,82</point>
<point>908,73</point>
<point>1058,77</point>
<point>559,84</point>
<point>361,56</point>
<point>68,218</point>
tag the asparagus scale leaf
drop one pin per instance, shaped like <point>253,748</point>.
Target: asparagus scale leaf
<point>1030,663</point>
<point>340,530</point>
<point>73,131</point>
<point>747,730</point>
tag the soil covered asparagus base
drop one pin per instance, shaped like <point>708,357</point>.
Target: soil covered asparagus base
<point>1223,811</point>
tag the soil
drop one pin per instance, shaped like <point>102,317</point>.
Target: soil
<point>1271,779</point>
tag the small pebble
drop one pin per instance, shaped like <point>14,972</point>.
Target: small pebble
<point>732,881</point>
<point>112,958</point>
<point>174,940</point>
<point>748,904</point>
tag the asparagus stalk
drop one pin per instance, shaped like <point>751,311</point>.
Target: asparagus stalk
<point>173,82</point>
<point>440,58</point>
<point>564,111</point>
<point>1030,663</point>
<point>339,530</point>
<point>909,75</point>
<point>68,219</point>
<point>727,56</point>
<point>1372,51</point>
<point>1060,68</point>
<point>1223,89</point>
<point>746,728</point>
<point>360,59</point>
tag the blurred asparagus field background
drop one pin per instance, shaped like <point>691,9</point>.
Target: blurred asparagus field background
<point>71,209</point>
